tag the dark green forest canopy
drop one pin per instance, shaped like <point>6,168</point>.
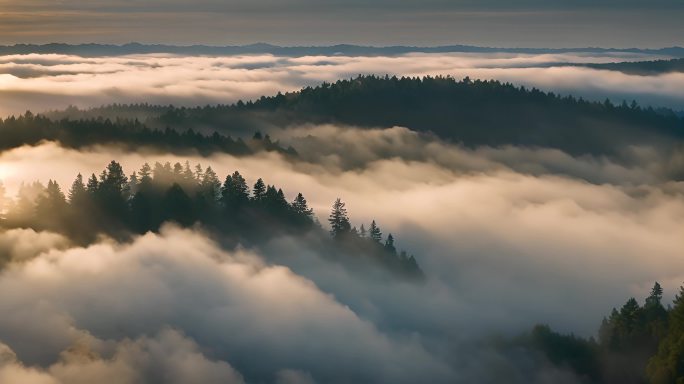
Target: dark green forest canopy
<point>637,343</point>
<point>122,206</point>
<point>474,113</point>
<point>30,129</point>
<point>644,68</point>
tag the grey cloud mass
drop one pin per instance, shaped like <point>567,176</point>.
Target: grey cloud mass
<point>507,237</point>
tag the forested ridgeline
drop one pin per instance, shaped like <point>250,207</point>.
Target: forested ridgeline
<point>636,344</point>
<point>120,206</point>
<point>643,68</point>
<point>30,129</point>
<point>472,112</point>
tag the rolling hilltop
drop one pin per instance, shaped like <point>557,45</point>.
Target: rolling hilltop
<point>473,113</point>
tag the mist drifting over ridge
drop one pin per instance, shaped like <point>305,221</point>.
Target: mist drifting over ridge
<point>31,81</point>
<point>540,216</point>
<point>342,191</point>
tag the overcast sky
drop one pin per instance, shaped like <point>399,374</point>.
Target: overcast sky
<point>507,23</point>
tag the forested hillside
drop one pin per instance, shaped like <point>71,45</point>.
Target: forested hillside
<point>644,68</point>
<point>30,129</point>
<point>636,344</point>
<point>474,113</point>
<point>120,206</point>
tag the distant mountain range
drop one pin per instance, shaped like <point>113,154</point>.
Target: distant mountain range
<point>262,48</point>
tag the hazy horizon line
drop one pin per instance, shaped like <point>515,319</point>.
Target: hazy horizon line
<point>265,44</point>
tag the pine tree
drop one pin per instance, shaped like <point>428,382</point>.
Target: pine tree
<point>374,232</point>
<point>389,244</point>
<point>240,186</point>
<point>78,191</point>
<point>655,297</point>
<point>259,190</point>
<point>667,366</point>
<point>300,207</point>
<point>362,232</point>
<point>199,174</point>
<point>145,175</point>
<point>210,186</point>
<point>93,185</point>
<point>188,176</point>
<point>280,200</point>
<point>112,193</point>
<point>339,221</point>
<point>113,180</point>
<point>178,172</point>
<point>235,192</point>
<point>54,194</point>
<point>133,184</point>
<point>51,205</point>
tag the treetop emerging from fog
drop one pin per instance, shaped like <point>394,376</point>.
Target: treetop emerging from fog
<point>120,206</point>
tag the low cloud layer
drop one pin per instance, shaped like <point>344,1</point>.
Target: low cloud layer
<point>81,304</point>
<point>167,357</point>
<point>39,82</point>
<point>507,237</point>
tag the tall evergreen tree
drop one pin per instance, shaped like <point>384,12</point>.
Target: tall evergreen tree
<point>114,181</point>
<point>133,184</point>
<point>178,172</point>
<point>654,299</point>
<point>259,190</point>
<point>78,191</point>
<point>339,221</point>
<point>145,176</point>
<point>280,201</point>
<point>93,185</point>
<point>374,232</point>
<point>210,186</point>
<point>300,206</point>
<point>188,176</point>
<point>113,193</point>
<point>389,244</point>
<point>199,173</point>
<point>51,206</point>
<point>235,192</point>
<point>667,366</point>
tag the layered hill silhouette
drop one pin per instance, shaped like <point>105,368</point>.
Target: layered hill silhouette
<point>643,68</point>
<point>473,113</point>
<point>265,48</point>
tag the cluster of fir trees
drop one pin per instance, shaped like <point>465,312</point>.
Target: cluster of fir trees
<point>120,205</point>
<point>636,344</point>
<point>369,242</point>
<point>115,204</point>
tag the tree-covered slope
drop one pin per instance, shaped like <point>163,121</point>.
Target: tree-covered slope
<point>474,113</point>
<point>471,112</point>
<point>645,68</point>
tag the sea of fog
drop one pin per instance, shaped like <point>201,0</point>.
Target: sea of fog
<point>38,82</point>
